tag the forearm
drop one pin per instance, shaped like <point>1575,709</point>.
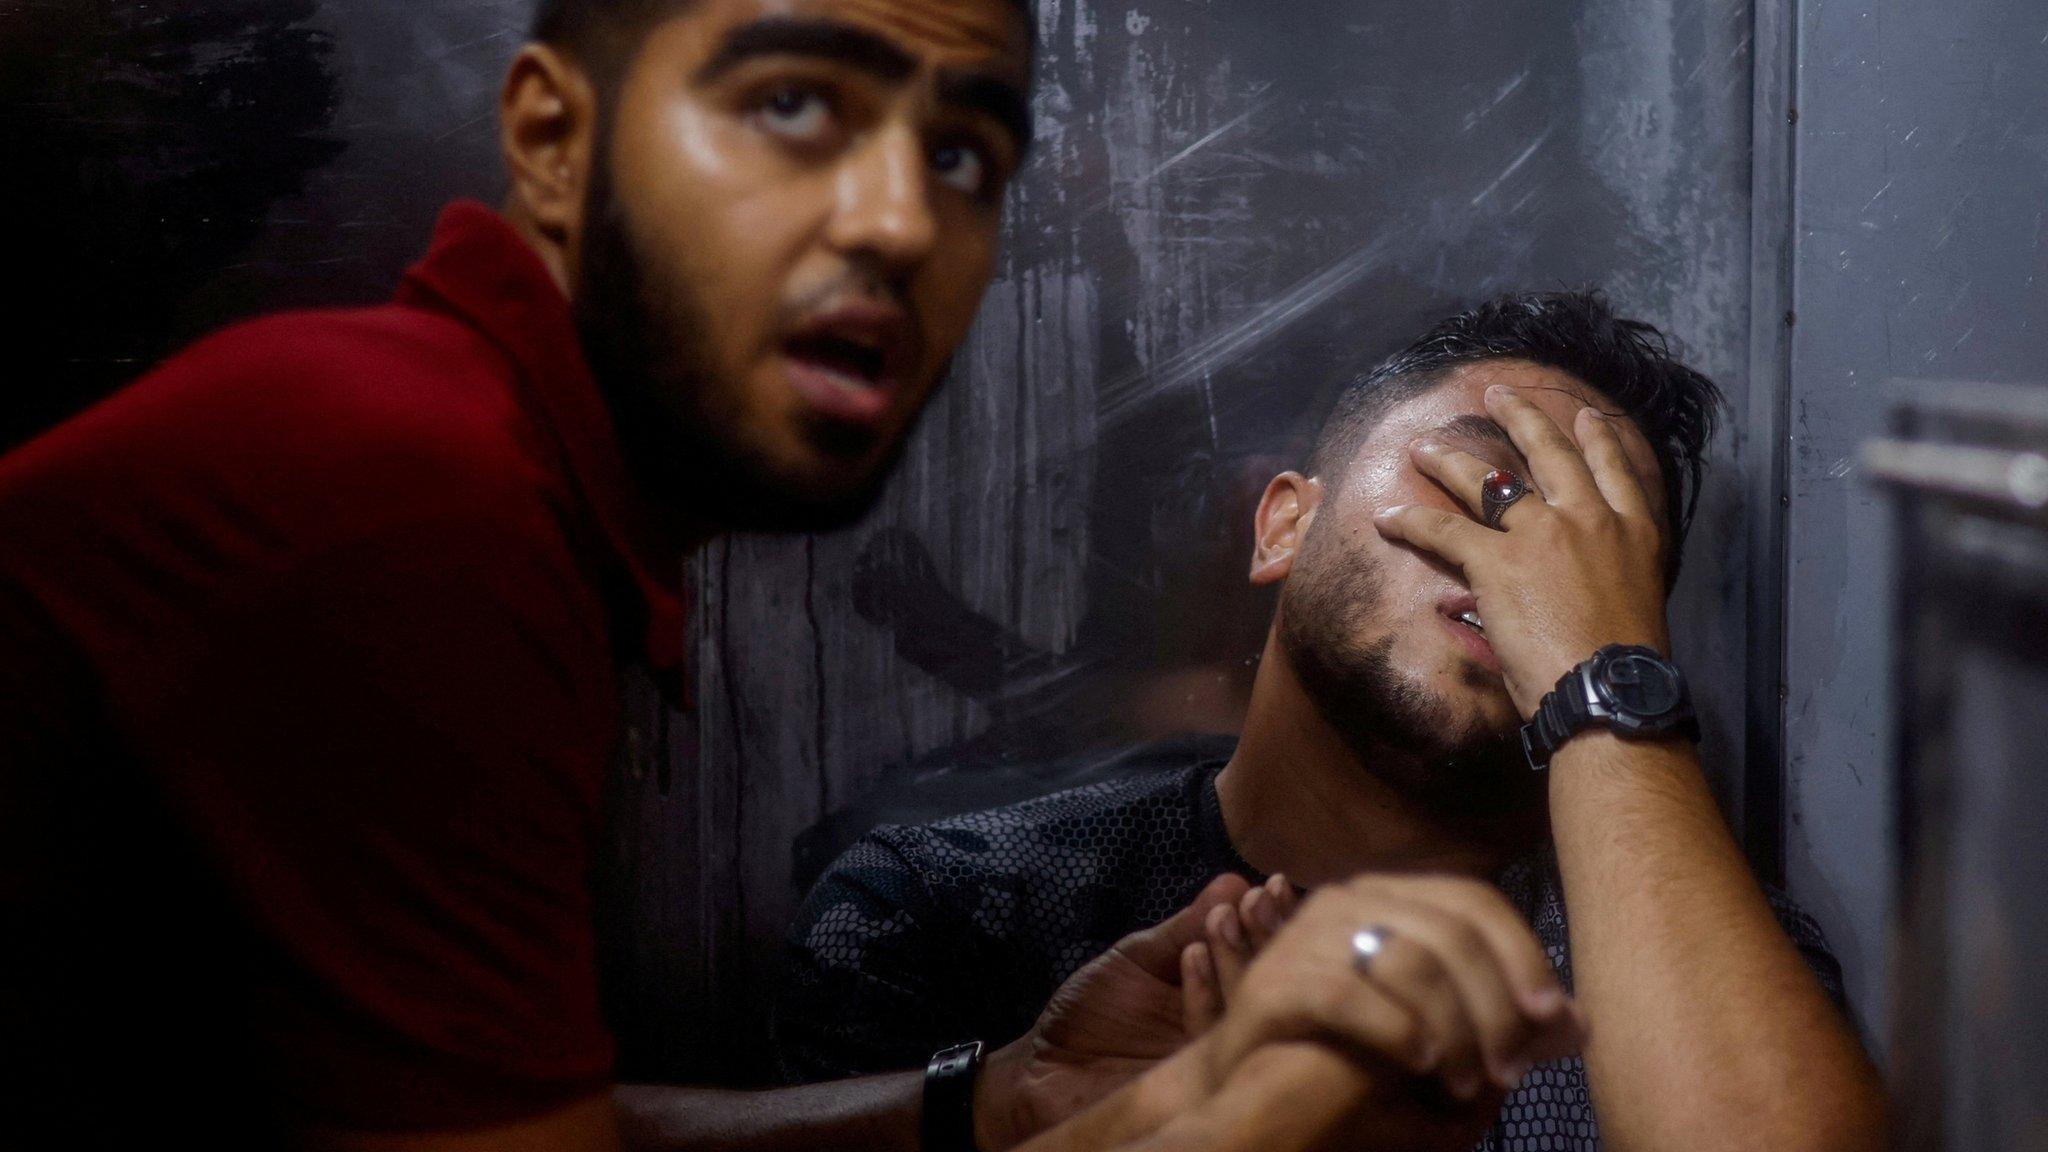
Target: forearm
<point>1705,1023</point>
<point>1133,1112</point>
<point>1281,1098</point>
<point>874,1112</point>
<point>867,1112</point>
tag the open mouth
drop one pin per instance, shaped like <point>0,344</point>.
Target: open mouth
<point>854,360</point>
<point>848,361</point>
<point>1470,619</point>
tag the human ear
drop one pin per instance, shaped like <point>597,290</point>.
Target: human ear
<point>547,127</point>
<point>1285,512</point>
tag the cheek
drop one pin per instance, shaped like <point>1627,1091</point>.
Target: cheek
<point>724,216</point>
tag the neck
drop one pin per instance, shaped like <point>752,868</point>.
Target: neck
<point>1297,798</point>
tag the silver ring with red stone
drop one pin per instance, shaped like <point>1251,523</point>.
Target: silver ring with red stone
<point>1497,493</point>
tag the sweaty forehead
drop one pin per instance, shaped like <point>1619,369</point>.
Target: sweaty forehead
<point>987,35</point>
<point>1460,398</point>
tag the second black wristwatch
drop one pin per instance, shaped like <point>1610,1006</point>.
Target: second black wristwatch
<point>1626,688</point>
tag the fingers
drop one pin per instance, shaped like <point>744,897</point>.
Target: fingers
<point>1284,893</point>
<point>1600,441</point>
<point>1230,949</point>
<point>1260,910</point>
<point>1157,950</point>
<point>1446,534</point>
<point>1515,948</point>
<point>1201,995</point>
<point>1462,474</point>
<point>1236,935</point>
<point>1449,968</point>
<point>1413,972</point>
<point>1461,990</point>
<point>1555,463</point>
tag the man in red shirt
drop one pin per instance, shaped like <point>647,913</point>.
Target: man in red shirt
<point>309,639</point>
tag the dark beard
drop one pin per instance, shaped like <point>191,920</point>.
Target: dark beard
<point>1398,730</point>
<point>644,337</point>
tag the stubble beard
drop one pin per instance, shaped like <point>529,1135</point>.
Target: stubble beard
<point>1402,733</point>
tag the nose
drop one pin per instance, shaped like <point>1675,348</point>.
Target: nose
<point>882,210</point>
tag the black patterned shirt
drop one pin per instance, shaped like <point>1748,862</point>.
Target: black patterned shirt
<point>920,937</point>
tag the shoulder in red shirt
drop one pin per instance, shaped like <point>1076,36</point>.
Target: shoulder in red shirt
<point>312,641</point>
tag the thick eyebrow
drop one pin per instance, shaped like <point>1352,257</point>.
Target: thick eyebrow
<point>993,96</point>
<point>1475,427</point>
<point>830,40</point>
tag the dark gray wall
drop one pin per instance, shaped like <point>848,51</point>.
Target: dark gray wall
<point>1921,218</point>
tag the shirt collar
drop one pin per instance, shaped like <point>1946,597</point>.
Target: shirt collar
<point>482,271</point>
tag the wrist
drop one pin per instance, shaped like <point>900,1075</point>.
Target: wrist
<point>1527,692</point>
<point>1597,761</point>
<point>952,1080</point>
<point>1630,690</point>
<point>1174,1085</point>
<point>1002,1110</point>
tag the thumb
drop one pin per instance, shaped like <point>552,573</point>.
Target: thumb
<point>1157,949</point>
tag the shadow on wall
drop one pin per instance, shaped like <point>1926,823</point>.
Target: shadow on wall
<point>1171,638</point>
<point>146,145</point>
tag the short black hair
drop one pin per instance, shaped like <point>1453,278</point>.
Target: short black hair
<point>1628,361</point>
<point>603,33</point>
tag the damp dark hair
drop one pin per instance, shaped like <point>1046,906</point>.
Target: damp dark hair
<point>1628,361</point>
<point>603,33</point>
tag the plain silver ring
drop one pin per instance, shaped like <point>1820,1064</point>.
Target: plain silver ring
<point>1366,944</point>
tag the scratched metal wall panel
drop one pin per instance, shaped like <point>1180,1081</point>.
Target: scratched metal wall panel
<point>1230,209</point>
<point>1921,254</point>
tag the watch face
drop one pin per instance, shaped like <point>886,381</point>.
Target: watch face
<point>1640,684</point>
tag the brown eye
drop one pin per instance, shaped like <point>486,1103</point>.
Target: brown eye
<point>797,114</point>
<point>961,167</point>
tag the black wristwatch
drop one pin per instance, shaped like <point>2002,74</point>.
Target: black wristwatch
<point>947,1124</point>
<point>1626,688</point>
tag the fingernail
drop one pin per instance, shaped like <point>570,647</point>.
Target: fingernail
<point>1428,445</point>
<point>1496,390</point>
<point>1233,931</point>
<point>1547,1001</point>
<point>1385,513</point>
<point>1514,1073</point>
<point>1270,913</point>
<point>1465,1085</point>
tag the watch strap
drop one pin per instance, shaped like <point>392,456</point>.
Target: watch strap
<point>1563,713</point>
<point>946,1123</point>
<point>1568,709</point>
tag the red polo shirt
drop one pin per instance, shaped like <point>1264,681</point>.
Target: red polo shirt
<point>309,651</point>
